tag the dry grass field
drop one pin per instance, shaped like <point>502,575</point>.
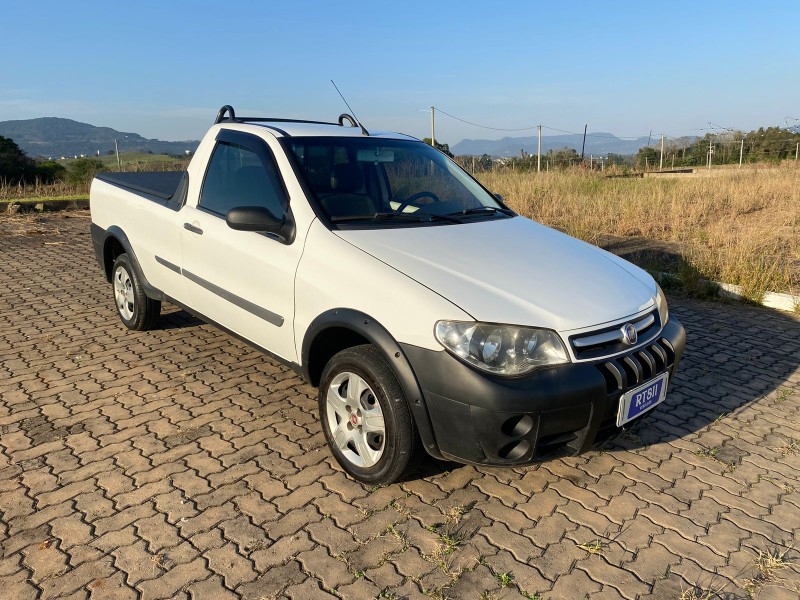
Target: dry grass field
<point>737,226</point>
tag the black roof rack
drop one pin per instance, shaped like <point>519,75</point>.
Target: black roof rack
<point>232,118</point>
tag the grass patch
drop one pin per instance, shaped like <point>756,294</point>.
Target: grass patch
<point>594,547</point>
<point>696,593</point>
<point>708,452</point>
<point>504,579</point>
<point>791,448</point>
<point>767,564</point>
<point>784,393</point>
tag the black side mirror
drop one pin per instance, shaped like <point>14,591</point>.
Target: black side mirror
<point>254,218</point>
<point>499,197</point>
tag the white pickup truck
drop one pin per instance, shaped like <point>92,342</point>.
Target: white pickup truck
<point>427,312</point>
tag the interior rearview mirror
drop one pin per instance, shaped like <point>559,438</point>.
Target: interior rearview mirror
<point>375,155</point>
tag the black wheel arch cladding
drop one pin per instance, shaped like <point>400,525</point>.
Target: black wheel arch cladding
<point>370,330</point>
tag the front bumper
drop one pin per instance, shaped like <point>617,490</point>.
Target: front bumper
<point>559,411</point>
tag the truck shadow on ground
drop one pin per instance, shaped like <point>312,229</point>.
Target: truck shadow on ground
<point>176,318</point>
<point>736,354</point>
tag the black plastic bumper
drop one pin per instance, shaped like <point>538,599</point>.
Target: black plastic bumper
<point>483,419</point>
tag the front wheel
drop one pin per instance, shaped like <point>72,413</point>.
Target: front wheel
<point>365,417</point>
<point>135,309</point>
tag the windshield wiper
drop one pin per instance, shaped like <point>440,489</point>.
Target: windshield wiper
<point>418,217</point>
<point>485,210</point>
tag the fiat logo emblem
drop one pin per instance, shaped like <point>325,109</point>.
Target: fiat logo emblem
<point>629,334</point>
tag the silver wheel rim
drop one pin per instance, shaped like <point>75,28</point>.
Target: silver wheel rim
<point>123,293</point>
<point>355,419</point>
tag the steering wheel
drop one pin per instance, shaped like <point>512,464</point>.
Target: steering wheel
<point>415,197</point>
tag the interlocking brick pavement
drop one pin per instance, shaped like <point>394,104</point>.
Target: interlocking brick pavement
<point>182,463</point>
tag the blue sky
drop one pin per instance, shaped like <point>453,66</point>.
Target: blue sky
<point>162,68</point>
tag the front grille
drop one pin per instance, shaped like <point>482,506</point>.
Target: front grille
<point>608,341</point>
<point>626,372</point>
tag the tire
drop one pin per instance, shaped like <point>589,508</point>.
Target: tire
<point>369,428</point>
<point>135,309</point>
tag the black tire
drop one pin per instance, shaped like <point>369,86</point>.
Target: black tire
<point>401,449</point>
<point>136,311</point>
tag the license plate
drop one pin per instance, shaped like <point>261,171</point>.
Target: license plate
<point>639,401</point>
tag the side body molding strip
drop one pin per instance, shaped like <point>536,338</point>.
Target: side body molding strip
<point>258,311</point>
<point>169,265</point>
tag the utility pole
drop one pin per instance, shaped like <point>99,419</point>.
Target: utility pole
<point>433,126</point>
<point>796,150</point>
<point>116,147</point>
<point>539,152</point>
<point>710,152</point>
<point>741,153</point>
<point>661,160</point>
<point>584,140</point>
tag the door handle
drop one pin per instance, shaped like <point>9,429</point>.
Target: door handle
<point>192,228</point>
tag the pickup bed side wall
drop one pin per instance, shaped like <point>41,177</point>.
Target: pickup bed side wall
<point>149,226</point>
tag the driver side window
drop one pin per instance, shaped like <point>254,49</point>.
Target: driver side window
<point>237,177</point>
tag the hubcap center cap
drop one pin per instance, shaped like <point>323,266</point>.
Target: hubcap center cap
<point>354,420</point>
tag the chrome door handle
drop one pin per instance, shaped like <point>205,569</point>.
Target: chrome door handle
<point>192,228</point>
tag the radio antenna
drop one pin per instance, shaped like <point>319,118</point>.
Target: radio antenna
<point>363,129</point>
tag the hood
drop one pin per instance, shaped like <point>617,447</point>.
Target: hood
<point>513,271</point>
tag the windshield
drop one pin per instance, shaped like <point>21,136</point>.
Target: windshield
<point>370,180</point>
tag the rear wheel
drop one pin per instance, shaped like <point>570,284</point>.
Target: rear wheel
<point>135,309</point>
<point>365,417</point>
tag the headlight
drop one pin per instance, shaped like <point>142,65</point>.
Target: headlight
<point>501,349</point>
<point>661,303</point>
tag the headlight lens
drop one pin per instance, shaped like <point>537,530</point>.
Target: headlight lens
<point>501,349</point>
<point>661,303</point>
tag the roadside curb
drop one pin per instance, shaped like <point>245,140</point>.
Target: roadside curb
<point>43,205</point>
<point>779,301</point>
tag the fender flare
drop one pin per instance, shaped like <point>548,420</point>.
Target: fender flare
<point>116,233</point>
<point>378,336</point>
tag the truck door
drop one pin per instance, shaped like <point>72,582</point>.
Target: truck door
<point>242,280</point>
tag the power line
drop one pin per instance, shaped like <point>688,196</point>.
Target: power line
<point>484,126</point>
<point>535,127</point>
<point>716,129</point>
<point>597,135</point>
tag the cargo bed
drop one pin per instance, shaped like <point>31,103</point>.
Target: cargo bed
<point>168,186</point>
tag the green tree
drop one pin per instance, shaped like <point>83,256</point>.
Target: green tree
<point>50,171</point>
<point>616,159</point>
<point>563,157</point>
<point>441,147</point>
<point>83,170</point>
<point>15,166</point>
<point>647,157</point>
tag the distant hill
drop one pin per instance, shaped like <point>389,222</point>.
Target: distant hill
<point>597,143</point>
<point>54,136</point>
